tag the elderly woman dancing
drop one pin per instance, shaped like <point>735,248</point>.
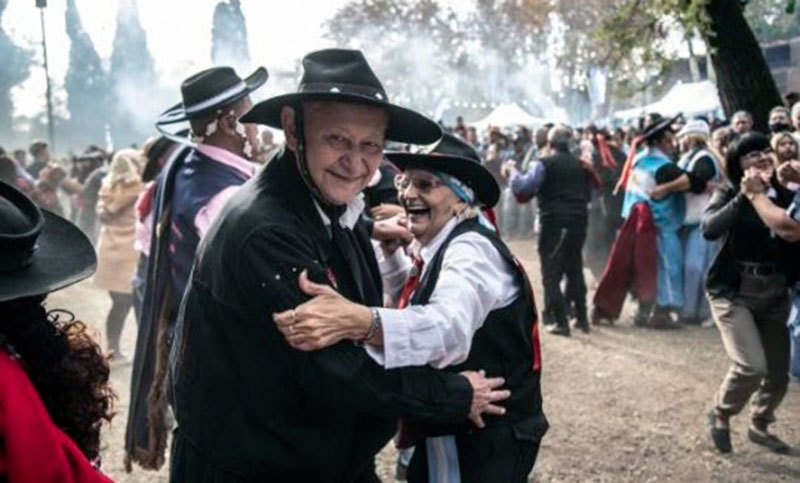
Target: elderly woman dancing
<point>466,304</point>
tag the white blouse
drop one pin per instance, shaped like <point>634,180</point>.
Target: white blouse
<point>474,280</point>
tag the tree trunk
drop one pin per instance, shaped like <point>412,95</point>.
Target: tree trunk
<point>743,77</point>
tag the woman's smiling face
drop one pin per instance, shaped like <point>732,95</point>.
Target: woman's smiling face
<point>428,202</point>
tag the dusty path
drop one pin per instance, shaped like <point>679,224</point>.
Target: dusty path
<point>624,404</point>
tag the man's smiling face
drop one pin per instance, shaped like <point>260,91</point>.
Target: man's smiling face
<point>344,147</point>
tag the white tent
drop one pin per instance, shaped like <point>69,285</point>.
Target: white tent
<point>506,115</point>
<point>689,98</point>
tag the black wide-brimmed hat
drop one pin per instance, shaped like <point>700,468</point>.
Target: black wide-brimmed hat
<point>39,251</point>
<point>345,76</point>
<point>209,90</point>
<point>659,125</point>
<point>458,159</point>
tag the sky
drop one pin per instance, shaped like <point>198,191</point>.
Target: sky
<point>178,35</point>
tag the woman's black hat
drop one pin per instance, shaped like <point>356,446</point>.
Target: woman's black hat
<point>458,159</point>
<point>39,251</point>
<point>659,125</point>
<point>345,76</point>
<point>209,90</point>
<point>742,146</point>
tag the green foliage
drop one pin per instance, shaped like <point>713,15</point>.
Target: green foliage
<point>773,20</point>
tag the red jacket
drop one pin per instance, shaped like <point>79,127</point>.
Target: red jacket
<point>32,448</point>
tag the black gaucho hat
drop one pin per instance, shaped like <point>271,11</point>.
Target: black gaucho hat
<point>659,125</point>
<point>458,159</point>
<point>39,251</point>
<point>345,76</point>
<point>209,90</point>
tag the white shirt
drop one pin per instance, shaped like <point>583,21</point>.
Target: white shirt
<point>350,216</point>
<point>474,281</point>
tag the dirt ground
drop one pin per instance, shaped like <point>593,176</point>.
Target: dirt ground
<point>624,404</point>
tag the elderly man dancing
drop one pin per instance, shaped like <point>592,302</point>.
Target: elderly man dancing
<point>249,407</point>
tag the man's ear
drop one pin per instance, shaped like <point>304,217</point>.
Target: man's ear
<point>289,126</point>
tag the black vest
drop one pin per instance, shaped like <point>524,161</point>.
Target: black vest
<point>565,192</point>
<point>507,344</point>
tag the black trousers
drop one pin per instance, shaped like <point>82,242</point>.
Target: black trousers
<point>560,253</point>
<point>489,455</point>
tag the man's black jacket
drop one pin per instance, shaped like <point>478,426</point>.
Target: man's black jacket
<point>248,402</point>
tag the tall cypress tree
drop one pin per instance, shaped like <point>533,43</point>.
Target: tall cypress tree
<point>229,45</point>
<point>133,76</point>
<point>16,67</point>
<point>87,85</point>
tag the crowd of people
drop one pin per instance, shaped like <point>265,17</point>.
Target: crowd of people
<point>299,305</point>
<point>697,219</point>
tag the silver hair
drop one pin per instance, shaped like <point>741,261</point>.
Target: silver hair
<point>559,137</point>
<point>744,114</point>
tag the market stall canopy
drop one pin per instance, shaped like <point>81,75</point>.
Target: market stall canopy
<point>506,115</point>
<point>689,98</point>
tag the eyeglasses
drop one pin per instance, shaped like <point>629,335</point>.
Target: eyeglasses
<point>757,156</point>
<point>423,185</point>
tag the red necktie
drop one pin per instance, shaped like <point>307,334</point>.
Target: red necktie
<point>407,436</point>
<point>411,283</point>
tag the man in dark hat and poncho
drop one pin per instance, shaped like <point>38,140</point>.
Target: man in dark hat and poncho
<point>248,406</point>
<point>190,192</point>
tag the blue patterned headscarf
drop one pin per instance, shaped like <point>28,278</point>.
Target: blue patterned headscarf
<point>464,192</point>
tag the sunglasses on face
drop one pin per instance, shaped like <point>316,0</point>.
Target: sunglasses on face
<point>422,184</point>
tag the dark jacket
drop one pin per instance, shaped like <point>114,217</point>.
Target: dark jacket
<point>244,399</point>
<point>743,237</point>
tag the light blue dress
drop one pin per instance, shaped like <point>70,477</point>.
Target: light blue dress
<point>698,252</point>
<point>668,214</point>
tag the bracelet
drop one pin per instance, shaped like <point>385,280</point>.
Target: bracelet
<point>376,324</point>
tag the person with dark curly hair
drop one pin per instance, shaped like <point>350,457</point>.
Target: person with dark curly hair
<point>54,387</point>
<point>747,287</point>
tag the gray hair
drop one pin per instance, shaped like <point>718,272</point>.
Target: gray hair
<point>782,109</point>
<point>559,138</point>
<point>744,114</point>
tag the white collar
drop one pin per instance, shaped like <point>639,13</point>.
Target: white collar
<point>350,216</point>
<point>428,251</point>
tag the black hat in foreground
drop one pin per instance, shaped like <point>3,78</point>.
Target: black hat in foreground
<point>458,159</point>
<point>345,76</point>
<point>40,252</point>
<point>209,90</point>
